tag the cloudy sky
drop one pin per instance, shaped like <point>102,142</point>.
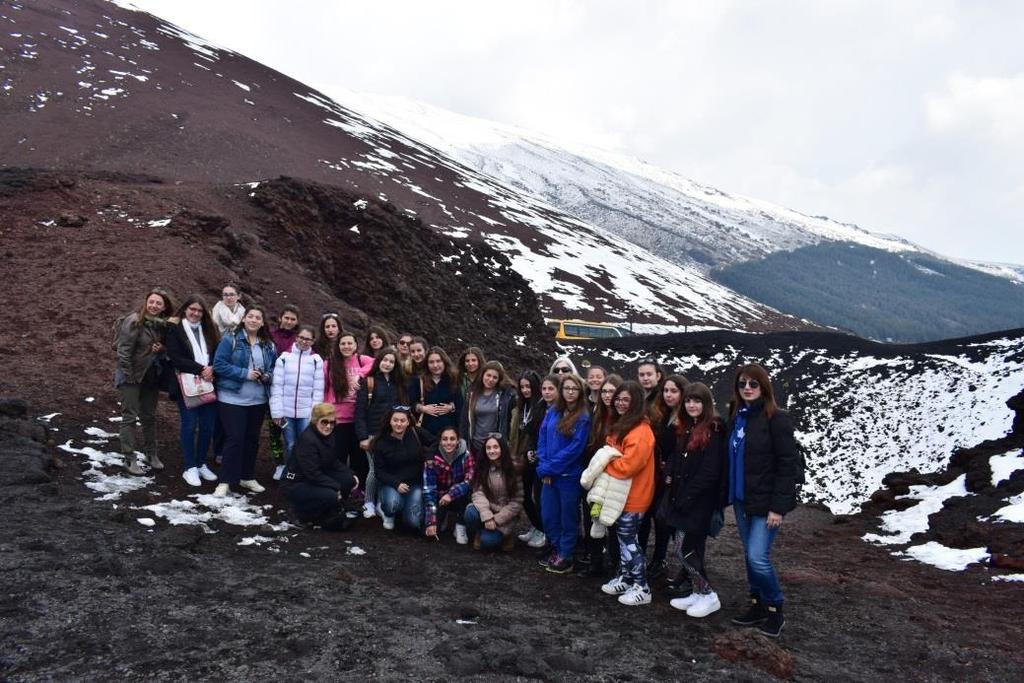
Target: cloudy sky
<point>904,117</point>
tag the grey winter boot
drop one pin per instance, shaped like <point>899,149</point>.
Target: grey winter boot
<point>131,462</point>
<point>154,461</point>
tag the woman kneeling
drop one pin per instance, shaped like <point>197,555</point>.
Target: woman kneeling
<point>316,483</point>
<point>398,465</point>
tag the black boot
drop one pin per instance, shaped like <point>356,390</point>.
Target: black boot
<point>681,586</point>
<point>756,613</point>
<point>773,626</point>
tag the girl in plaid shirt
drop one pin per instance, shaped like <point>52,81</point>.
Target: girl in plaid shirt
<point>446,485</point>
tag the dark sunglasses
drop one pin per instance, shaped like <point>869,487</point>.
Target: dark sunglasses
<point>561,369</point>
<point>325,421</point>
<point>748,384</point>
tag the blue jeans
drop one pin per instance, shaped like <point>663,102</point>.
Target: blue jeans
<point>201,420</point>
<point>293,426</point>
<point>559,508</point>
<point>408,505</point>
<point>489,538</point>
<point>632,558</point>
<point>757,548</point>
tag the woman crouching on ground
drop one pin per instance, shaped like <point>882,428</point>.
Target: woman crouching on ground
<point>398,465</point>
<point>243,368</point>
<point>763,464</point>
<point>692,493</point>
<point>632,436</point>
<point>190,346</point>
<point>497,498</point>
<point>447,485</point>
<point>316,483</point>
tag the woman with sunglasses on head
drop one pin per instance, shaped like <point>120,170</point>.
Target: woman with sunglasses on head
<point>693,493</point>
<point>327,336</point>
<point>298,385</point>
<point>470,362</point>
<point>560,446</point>
<point>376,339</point>
<point>526,419</point>
<point>630,433</point>
<point>665,413</point>
<point>243,369</point>
<point>139,343</point>
<point>447,485</point>
<point>497,497</point>
<point>398,466</point>
<point>762,475</point>
<point>434,395</point>
<point>228,312</point>
<point>385,386</point>
<point>317,484</point>
<point>344,370</point>
<point>603,416</point>
<point>191,342</point>
<point>488,407</point>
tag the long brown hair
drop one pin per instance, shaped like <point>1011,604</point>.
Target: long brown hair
<point>567,421</point>
<point>262,334</point>
<point>464,376</point>
<point>603,415</point>
<point>210,332</point>
<point>755,372</point>
<point>448,374</point>
<point>660,412</point>
<point>339,367</point>
<point>380,332</point>
<point>142,314</point>
<point>323,344</point>
<point>637,412</point>
<point>397,373</point>
<point>700,430</point>
<point>480,480</point>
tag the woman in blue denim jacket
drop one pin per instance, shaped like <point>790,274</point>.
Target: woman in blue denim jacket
<point>243,367</point>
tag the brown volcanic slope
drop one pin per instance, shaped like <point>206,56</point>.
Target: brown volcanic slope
<point>91,86</point>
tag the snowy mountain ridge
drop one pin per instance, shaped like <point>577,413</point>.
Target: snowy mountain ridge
<point>678,218</point>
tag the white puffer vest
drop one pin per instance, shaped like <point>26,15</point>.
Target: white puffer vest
<point>298,384</point>
<point>605,490</point>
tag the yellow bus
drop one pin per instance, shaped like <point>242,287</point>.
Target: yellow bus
<point>581,329</point>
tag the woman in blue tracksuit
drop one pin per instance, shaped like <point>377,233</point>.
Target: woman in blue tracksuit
<point>243,368</point>
<point>560,445</point>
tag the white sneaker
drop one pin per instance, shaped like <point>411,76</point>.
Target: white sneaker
<point>539,540</point>
<point>222,490</point>
<point>278,472</point>
<point>207,474</point>
<point>525,537</point>
<point>251,485</point>
<point>684,603</point>
<point>636,596</point>
<point>389,522</point>
<point>461,537</point>
<point>706,604</point>
<point>369,510</point>
<point>191,476</point>
<point>617,586</point>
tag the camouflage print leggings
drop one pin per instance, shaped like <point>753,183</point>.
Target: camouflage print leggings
<point>632,560</point>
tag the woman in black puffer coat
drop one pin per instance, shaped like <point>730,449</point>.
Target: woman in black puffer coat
<point>316,482</point>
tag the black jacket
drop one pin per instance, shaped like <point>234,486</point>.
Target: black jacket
<point>401,461</point>
<point>313,461</point>
<point>445,392</point>
<point>370,412</point>
<point>179,353</point>
<point>524,436</point>
<point>506,402</point>
<point>770,463</point>
<point>694,491</point>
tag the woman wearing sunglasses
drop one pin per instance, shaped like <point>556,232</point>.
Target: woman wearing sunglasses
<point>562,366</point>
<point>317,484</point>
<point>762,475</point>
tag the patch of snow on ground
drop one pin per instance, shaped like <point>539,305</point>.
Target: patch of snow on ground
<point>1005,465</point>
<point>146,521</point>
<point>48,417</point>
<point>256,540</point>
<point>1014,512</point>
<point>160,223</point>
<point>99,433</point>
<point>355,550</point>
<point>1008,577</point>
<point>942,557</point>
<point>111,486</point>
<point>902,524</point>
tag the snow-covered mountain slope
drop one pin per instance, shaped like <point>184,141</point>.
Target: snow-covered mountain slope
<point>862,409</point>
<point>669,214</point>
<point>92,85</point>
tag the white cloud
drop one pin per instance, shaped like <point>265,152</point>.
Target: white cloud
<point>987,106</point>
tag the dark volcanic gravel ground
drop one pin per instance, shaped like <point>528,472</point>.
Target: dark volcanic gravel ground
<point>88,593</point>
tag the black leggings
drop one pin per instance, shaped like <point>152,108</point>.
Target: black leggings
<point>346,445</point>
<point>531,496</point>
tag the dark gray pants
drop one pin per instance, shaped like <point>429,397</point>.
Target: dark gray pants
<point>138,404</point>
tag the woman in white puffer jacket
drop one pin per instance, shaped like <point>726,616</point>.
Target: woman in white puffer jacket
<point>298,386</point>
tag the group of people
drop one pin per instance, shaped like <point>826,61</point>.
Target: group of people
<point>364,427</point>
